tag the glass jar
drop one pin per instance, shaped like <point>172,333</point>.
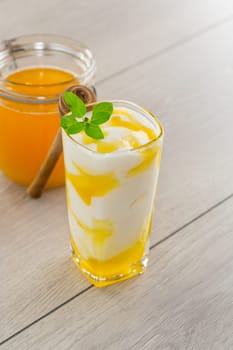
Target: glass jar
<point>34,71</point>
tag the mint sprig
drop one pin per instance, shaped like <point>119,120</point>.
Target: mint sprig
<point>101,114</point>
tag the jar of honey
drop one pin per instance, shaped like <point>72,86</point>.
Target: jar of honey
<point>34,71</point>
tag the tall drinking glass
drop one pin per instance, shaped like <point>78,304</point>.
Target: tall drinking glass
<point>110,194</point>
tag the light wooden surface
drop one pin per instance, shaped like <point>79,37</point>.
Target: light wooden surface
<point>183,302</point>
<point>175,58</point>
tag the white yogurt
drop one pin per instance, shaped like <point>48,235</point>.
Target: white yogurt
<point>126,207</point>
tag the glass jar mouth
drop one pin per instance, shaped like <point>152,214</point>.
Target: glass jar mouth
<point>158,138</point>
<point>58,50</point>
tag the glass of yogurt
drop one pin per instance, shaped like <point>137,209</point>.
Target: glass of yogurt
<point>111,186</point>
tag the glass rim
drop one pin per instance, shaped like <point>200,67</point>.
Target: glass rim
<point>43,42</point>
<point>145,145</point>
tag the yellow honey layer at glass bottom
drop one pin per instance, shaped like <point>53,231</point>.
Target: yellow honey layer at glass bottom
<point>125,265</point>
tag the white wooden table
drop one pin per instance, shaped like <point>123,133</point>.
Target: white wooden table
<point>175,58</point>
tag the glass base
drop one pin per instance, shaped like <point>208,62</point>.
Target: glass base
<point>134,269</point>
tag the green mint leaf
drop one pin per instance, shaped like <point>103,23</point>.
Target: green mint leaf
<point>75,128</point>
<point>94,131</point>
<point>67,121</point>
<point>75,104</point>
<point>71,125</point>
<point>101,112</point>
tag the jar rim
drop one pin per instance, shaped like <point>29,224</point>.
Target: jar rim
<point>41,43</point>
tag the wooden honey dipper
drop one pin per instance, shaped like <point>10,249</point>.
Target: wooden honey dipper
<point>36,187</point>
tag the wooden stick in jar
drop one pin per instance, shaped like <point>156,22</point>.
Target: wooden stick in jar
<point>37,186</point>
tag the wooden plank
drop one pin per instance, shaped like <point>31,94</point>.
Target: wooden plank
<point>190,89</point>
<point>195,95</point>
<point>37,273</point>
<point>184,300</point>
<point>120,34</point>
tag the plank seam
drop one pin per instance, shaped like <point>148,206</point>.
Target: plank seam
<point>165,50</point>
<point>45,315</point>
<point>192,221</point>
<point>91,286</point>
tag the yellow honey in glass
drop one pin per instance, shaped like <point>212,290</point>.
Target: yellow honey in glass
<point>34,71</point>
<point>27,130</point>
